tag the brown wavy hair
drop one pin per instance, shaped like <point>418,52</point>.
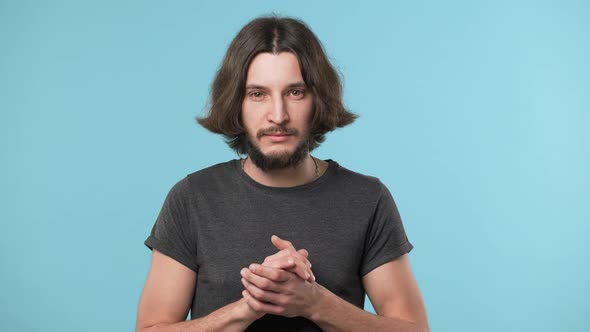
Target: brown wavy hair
<point>274,34</point>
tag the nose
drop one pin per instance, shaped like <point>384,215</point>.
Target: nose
<point>278,114</point>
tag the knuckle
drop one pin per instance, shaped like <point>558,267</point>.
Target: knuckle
<point>257,293</point>
<point>277,275</point>
<point>264,283</point>
<point>271,258</point>
<point>283,301</point>
<point>300,259</point>
<point>281,275</point>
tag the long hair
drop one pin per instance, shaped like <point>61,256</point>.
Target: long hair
<point>275,34</point>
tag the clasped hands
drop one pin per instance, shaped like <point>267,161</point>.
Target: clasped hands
<point>283,284</point>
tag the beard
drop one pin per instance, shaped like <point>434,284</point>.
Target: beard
<point>279,160</point>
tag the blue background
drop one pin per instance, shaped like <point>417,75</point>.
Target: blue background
<point>474,114</point>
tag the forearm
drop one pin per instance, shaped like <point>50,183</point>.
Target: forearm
<point>236,316</point>
<point>336,314</point>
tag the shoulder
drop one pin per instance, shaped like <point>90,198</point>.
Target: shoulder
<point>206,178</point>
<point>362,184</point>
<point>212,173</point>
<point>349,177</point>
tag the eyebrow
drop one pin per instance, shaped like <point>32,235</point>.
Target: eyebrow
<point>262,87</point>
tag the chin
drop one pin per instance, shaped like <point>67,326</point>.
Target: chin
<point>278,151</point>
<point>278,157</point>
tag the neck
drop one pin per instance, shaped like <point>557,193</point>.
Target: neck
<point>303,173</point>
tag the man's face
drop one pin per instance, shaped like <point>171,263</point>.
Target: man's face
<point>276,111</point>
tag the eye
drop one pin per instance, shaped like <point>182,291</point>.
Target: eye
<point>256,95</point>
<point>298,93</point>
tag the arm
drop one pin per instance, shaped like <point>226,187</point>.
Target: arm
<point>391,288</point>
<point>394,294</point>
<point>166,301</point>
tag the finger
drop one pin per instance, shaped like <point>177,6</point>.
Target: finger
<point>311,278</point>
<point>260,282</point>
<point>280,243</point>
<point>292,264</point>
<point>274,274</point>
<point>287,254</point>
<point>289,250</point>
<point>260,294</point>
<point>296,263</point>
<point>283,262</point>
<point>303,252</point>
<point>261,307</point>
<point>280,254</point>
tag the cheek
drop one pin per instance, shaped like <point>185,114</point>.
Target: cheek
<point>248,115</point>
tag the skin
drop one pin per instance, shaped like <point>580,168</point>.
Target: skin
<point>284,283</point>
<point>277,97</point>
<point>295,261</point>
<point>391,288</point>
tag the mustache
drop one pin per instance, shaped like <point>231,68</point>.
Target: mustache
<point>276,130</point>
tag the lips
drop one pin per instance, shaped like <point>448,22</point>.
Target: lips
<point>276,132</point>
<point>276,138</point>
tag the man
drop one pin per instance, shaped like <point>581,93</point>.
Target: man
<point>235,242</point>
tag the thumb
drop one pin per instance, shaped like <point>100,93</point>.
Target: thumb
<point>280,243</point>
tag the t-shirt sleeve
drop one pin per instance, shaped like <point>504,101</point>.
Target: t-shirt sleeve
<point>172,233</point>
<point>386,238</point>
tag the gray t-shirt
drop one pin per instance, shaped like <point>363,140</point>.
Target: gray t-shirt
<point>218,220</point>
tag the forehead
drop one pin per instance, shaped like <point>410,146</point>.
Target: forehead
<point>270,69</point>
